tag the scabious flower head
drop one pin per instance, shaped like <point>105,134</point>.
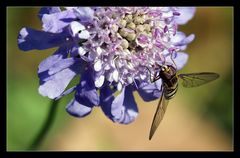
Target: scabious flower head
<point>113,49</point>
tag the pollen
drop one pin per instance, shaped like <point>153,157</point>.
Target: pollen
<point>124,44</point>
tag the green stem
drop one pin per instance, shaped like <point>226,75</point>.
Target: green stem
<point>46,126</point>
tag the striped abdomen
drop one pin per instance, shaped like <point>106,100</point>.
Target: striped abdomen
<point>171,87</point>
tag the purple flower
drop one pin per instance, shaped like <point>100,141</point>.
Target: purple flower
<point>112,49</point>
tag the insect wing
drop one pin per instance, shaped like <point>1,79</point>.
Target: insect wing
<point>197,79</point>
<point>158,116</point>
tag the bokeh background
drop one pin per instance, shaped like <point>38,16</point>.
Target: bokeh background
<point>199,119</point>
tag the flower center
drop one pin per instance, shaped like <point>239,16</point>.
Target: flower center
<point>135,30</point>
<point>124,42</point>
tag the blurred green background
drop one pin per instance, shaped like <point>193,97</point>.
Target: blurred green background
<point>197,119</point>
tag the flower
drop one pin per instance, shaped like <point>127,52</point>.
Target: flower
<point>113,49</point>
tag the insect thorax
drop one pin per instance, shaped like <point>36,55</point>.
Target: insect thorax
<point>170,80</point>
<point>169,76</point>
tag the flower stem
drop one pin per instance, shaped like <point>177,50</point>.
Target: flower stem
<point>46,126</point>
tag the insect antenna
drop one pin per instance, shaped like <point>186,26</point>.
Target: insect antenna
<point>173,61</point>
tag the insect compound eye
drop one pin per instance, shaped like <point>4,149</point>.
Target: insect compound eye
<point>164,68</point>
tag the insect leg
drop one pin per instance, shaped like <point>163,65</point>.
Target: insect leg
<point>152,80</point>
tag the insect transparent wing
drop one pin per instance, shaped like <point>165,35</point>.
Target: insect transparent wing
<point>197,79</point>
<point>158,116</point>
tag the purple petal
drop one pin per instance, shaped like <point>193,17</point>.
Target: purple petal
<point>75,27</point>
<point>56,22</point>
<point>180,59</point>
<point>154,13</point>
<point>157,34</point>
<point>55,63</point>
<point>63,64</point>
<point>53,86</point>
<point>48,10</point>
<point>68,91</point>
<point>47,63</point>
<point>142,40</point>
<point>186,14</point>
<point>70,8</point>
<point>178,37</point>
<point>29,39</point>
<point>149,91</point>
<point>106,99</point>
<point>186,40</point>
<point>86,92</point>
<point>85,14</point>
<point>76,109</point>
<point>181,41</point>
<point>122,109</point>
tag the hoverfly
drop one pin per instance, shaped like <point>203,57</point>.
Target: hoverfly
<point>170,85</point>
